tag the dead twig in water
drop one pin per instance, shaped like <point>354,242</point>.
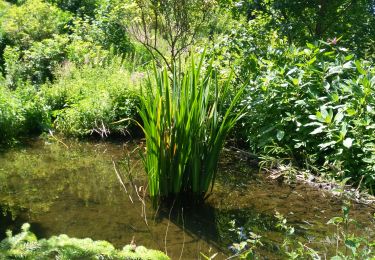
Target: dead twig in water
<point>142,200</point>
<point>121,181</point>
<point>183,233</point>
<point>166,231</point>
<point>58,140</point>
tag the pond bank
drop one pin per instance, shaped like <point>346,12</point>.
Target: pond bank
<point>291,175</point>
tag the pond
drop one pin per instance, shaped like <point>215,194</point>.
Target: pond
<point>71,187</point>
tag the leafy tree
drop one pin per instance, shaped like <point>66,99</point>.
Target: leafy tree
<point>3,41</point>
<point>35,64</point>
<point>102,30</point>
<point>32,47</point>
<point>79,7</point>
<point>352,20</point>
<point>306,21</point>
<point>32,21</point>
<point>167,28</point>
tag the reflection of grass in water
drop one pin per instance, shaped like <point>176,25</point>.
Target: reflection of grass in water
<point>33,178</point>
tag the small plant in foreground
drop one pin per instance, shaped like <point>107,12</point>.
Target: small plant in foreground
<point>185,120</point>
<point>292,248</point>
<point>355,247</point>
<point>347,245</point>
<point>25,245</point>
<point>248,242</point>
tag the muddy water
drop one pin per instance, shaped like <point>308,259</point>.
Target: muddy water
<point>72,188</point>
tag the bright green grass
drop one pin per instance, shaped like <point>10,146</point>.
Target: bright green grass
<point>185,119</point>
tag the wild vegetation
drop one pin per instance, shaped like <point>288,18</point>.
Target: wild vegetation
<point>291,82</point>
<point>314,106</point>
<point>348,245</point>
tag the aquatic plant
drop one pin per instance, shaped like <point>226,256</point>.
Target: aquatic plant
<point>355,247</point>
<point>348,245</point>
<point>186,118</point>
<point>25,245</point>
<point>248,242</point>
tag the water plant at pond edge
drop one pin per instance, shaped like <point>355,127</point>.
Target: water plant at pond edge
<point>355,247</point>
<point>25,245</point>
<point>186,119</point>
<point>347,244</point>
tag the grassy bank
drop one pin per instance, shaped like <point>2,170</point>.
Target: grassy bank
<point>82,101</point>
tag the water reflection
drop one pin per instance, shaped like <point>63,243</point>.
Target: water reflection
<point>75,191</point>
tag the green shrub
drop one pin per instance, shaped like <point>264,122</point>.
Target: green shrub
<point>103,29</point>
<point>186,120</point>
<point>80,7</point>
<point>90,99</point>
<point>25,245</point>
<point>3,41</point>
<point>36,64</point>
<point>316,106</point>
<point>22,112</point>
<point>32,21</point>
<point>82,52</point>
<point>11,118</point>
<point>32,41</point>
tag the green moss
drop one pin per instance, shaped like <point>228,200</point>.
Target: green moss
<point>25,245</point>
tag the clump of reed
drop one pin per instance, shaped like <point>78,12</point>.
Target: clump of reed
<point>186,118</point>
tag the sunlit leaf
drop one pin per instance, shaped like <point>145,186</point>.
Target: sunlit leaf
<point>335,220</point>
<point>280,135</point>
<point>318,130</point>
<point>348,142</point>
<point>359,67</point>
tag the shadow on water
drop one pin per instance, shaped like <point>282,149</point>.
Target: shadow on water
<point>75,191</point>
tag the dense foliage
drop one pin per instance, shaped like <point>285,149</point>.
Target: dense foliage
<point>91,98</point>
<point>21,112</point>
<point>317,105</point>
<point>307,66</point>
<point>307,21</point>
<point>310,105</point>
<point>298,78</point>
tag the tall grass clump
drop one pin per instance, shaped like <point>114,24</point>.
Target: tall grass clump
<point>186,118</point>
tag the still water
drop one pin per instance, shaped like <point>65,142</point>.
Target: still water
<point>71,187</point>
